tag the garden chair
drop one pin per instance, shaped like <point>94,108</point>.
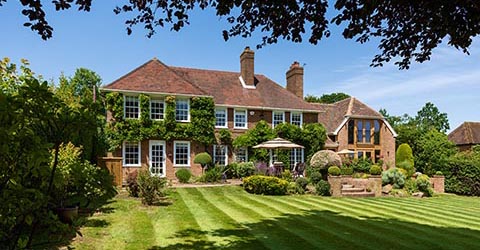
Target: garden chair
<point>298,170</point>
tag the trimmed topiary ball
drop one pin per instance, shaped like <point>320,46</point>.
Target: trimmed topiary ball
<point>203,159</point>
<point>183,175</point>
<point>334,170</point>
<point>375,170</point>
<point>323,188</point>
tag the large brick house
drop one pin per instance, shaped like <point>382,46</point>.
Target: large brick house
<point>466,135</point>
<point>241,100</point>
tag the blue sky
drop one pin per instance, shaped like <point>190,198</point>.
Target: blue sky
<point>97,40</point>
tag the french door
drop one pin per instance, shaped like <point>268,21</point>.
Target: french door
<point>157,158</point>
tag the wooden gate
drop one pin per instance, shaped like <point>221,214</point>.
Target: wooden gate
<point>114,166</point>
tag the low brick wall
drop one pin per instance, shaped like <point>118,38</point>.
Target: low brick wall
<point>372,183</point>
<point>438,184</point>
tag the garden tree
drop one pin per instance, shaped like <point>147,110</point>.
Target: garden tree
<point>430,117</point>
<point>406,30</point>
<point>327,98</point>
<point>81,92</point>
<point>434,150</point>
<point>260,133</point>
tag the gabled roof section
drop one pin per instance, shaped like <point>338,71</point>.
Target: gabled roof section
<point>155,77</point>
<point>227,90</point>
<point>337,114</point>
<point>465,134</point>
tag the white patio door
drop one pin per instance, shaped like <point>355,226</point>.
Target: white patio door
<point>157,158</point>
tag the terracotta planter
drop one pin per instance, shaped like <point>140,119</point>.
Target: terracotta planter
<point>67,214</point>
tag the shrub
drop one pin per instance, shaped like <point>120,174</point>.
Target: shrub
<point>462,175</point>
<point>183,175</point>
<point>204,159</point>
<point>325,158</point>
<point>410,186</point>
<point>323,188</point>
<point>334,170</point>
<point>302,182</point>
<point>245,169</point>
<point>315,177</point>
<point>261,168</point>
<point>269,185</point>
<point>294,188</point>
<point>375,170</point>
<point>393,176</point>
<point>346,170</point>
<point>132,185</point>
<point>423,184</point>
<point>212,175</point>
<point>404,153</point>
<point>408,167</point>
<point>361,165</point>
<point>151,188</point>
<point>439,173</point>
<point>287,175</point>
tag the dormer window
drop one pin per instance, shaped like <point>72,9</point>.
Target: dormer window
<point>131,107</point>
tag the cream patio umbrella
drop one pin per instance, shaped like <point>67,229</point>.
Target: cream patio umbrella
<point>275,144</point>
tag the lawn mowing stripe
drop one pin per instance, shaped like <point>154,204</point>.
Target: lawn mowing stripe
<point>467,218</point>
<point>173,220</point>
<point>453,236</point>
<point>438,201</point>
<point>272,228</point>
<point>209,218</point>
<point>379,229</point>
<point>301,224</point>
<point>444,220</point>
<point>439,235</point>
<point>140,230</point>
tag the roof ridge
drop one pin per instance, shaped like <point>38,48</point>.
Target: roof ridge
<point>132,71</point>
<point>378,113</point>
<point>350,106</point>
<point>214,70</point>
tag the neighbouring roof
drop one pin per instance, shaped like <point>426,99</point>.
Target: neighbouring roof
<point>225,87</point>
<point>467,133</point>
<point>336,113</point>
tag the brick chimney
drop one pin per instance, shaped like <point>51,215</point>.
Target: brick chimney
<point>247,66</point>
<point>295,79</point>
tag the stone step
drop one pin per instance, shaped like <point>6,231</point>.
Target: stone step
<point>358,195</point>
<point>353,190</point>
<point>347,186</point>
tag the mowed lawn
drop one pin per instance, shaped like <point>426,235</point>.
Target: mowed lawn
<point>230,218</point>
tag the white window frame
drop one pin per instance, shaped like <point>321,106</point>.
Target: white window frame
<point>301,118</point>
<point>246,154</point>
<point>273,117</point>
<point>125,106</point>
<point>157,101</point>
<point>139,164</point>
<point>188,109</point>
<point>226,117</point>
<point>175,154</point>
<point>164,157</point>
<point>294,152</point>
<point>235,115</point>
<point>215,153</point>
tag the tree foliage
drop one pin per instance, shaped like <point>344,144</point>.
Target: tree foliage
<point>429,117</point>
<point>407,30</point>
<point>327,98</point>
<point>434,150</point>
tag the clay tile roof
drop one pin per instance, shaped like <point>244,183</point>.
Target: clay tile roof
<point>225,87</point>
<point>155,77</point>
<point>467,133</point>
<point>336,112</point>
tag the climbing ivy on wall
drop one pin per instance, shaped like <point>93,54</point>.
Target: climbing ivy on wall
<point>201,127</point>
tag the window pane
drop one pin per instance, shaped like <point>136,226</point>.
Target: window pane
<point>296,119</point>
<point>157,109</point>
<point>221,117</point>
<point>240,119</point>
<point>182,152</point>
<point>376,132</point>
<point>351,129</point>
<point>241,155</point>
<point>367,131</point>
<point>359,131</point>
<point>131,107</point>
<point>131,153</point>
<point>181,110</point>
<point>278,118</point>
<point>220,154</point>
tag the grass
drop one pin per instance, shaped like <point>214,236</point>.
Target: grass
<point>229,218</point>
